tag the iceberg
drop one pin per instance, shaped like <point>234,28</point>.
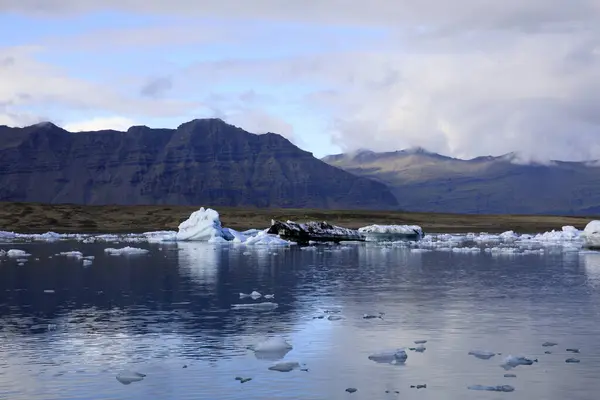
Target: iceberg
<point>313,231</point>
<point>202,225</point>
<point>376,233</point>
<point>591,235</point>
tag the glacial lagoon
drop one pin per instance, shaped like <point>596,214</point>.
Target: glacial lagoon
<point>68,328</point>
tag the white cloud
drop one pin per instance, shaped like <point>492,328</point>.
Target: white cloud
<point>465,78</point>
<point>28,84</point>
<point>97,124</point>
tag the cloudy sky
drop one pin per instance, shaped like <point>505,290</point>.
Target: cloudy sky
<point>463,77</point>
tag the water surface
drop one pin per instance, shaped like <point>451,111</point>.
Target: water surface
<point>168,315</point>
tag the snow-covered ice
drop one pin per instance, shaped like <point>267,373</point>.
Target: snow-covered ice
<point>125,251</point>
<point>16,253</point>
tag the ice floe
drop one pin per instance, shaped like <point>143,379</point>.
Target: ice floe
<point>273,348</point>
<point>481,354</point>
<point>391,232</point>
<point>514,361</point>
<point>285,366</point>
<point>397,356</point>
<point>16,253</point>
<point>127,377</point>
<point>267,305</point>
<point>125,251</point>
<point>499,388</point>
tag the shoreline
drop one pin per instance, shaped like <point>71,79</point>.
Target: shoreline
<point>32,218</point>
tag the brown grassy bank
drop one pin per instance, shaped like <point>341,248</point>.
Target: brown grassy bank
<point>64,218</point>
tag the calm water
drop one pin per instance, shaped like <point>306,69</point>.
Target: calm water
<point>159,312</point>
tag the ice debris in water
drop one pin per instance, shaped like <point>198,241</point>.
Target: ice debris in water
<point>514,361</point>
<point>499,388</point>
<point>419,349</point>
<point>397,356</point>
<point>73,254</point>
<point>125,251</point>
<point>549,344</point>
<point>127,377</point>
<point>285,366</point>
<point>267,305</point>
<point>591,235</point>
<point>256,295</point>
<point>484,355</point>
<point>16,253</point>
<point>202,225</point>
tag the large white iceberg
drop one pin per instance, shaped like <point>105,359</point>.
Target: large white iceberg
<point>591,235</point>
<point>203,225</point>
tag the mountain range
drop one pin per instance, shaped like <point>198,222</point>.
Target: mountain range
<point>430,182</point>
<point>209,162</point>
<point>202,162</point>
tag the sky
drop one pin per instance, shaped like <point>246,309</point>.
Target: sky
<point>464,78</point>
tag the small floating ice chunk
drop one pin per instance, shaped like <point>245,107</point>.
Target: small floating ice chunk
<point>254,295</point>
<point>285,366</point>
<point>573,350</point>
<point>2,253</point>
<point>514,361</point>
<point>397,356</point>
<point>127,377</point>
<point>499,388</point>
<point>572,360</point>
<point>16,253</point>
<point>72,254</point>
<point>420,341</point>
<point>335,317</point>
<point>87,263</point>
<point>125,251</point>
<point>267,305</point>
<point>510,375</point>
<point>419,349</point>
<point>483,355</point>
<point>549,344</point>
<point>49,291</point>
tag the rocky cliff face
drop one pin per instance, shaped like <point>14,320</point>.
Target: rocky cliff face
<point>202,162</point>
<point>429,182</point>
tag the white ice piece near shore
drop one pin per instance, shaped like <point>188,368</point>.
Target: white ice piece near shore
<point>591,235</point>
<point>202,225</point>
<point>391,232</point>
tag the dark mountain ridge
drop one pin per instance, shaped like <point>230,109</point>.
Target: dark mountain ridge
<point>202,162</point>
<point>429,182</point>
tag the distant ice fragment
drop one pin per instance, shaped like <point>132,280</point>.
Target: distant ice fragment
<point>254,295</point>
<point>269,296</point>
<point>49,291</point>
<point>514,361</point>
<point>484,355</point>
<point>549,344</point>
<point>572,360</point>
<point>573,350</point>
<point>127,377</point>
<point>510,375</point>
<point>420,341</point>
<point>285,366</point>
<point>419,349</point>
<point>391,232</point>
<point>125,251</point>
<point>397,356</point>
<point>73,254</point>
<point>16,253</point>
<point>264,306</point>
<point>87,263</point>
<point>202,225</point>
<point>351,390</point>
<point>335,317</point>
<point>500,388</point>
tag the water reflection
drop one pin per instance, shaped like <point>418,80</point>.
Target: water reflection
<point>172,309</point>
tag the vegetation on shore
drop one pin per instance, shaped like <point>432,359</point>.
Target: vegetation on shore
<point>69,218</point>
